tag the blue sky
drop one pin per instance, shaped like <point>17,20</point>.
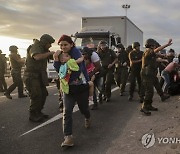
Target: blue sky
<point>28,19</point>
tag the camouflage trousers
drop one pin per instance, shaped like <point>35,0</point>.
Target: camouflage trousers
<point>37,92</point>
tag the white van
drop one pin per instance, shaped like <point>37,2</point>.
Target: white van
<point>51,71</point>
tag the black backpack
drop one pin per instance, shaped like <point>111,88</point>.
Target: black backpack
<point>174,87</point>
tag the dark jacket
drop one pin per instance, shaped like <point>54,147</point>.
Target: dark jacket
<point>75,54</point>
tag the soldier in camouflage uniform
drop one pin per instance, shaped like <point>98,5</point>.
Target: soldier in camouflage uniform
<point>149,72</point>
<point>156,82</point>
<point>108,59</point>
<point>3,85</point>
<point>35,76</point>
<point>135,58</point>
<point>121,73</point>
<point>16,63</point>
<point>129,49</point>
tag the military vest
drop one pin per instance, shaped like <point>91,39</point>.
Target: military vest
<point>122,58</point>
<point>33,65</point>
<point>107,57</point>
<point>149,64</point>
<point>149,59</point>
<point>135,55</point>
<point>15,65</point>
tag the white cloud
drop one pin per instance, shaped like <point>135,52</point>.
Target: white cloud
<point>27,19</point>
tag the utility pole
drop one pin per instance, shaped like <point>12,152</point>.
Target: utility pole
<point>126,6</point>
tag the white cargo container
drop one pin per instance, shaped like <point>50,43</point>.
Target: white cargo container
<point>113,29</point>
<point>51,71</point>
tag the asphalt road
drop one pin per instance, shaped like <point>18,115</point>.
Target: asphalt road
<point>20,136</point>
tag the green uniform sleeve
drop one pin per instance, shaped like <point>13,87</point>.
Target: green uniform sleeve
<point>16,57</point>
<point>35,49</point>
<point>72,65</point>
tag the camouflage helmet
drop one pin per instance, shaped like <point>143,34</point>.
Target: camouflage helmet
<point>13,48</point>
<point>129,48</point>
<point>150,43</point>
<point>120,45</point>
<point>157,44</point>
<point>46,38</point>
<point>135,44</point>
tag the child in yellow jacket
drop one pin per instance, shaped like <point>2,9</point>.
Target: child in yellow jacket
<point>67,66</point>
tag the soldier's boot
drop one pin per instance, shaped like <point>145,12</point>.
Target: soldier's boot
<point>151,108</point>
<point>87,123</point>
<point>35,117</point>
<point>22,96</point>
<point>94,107</point>
<point>8,95</point>
<point>100,99</point>
<point>141,100</point>
<point>144,108</point>
<point>130,97</point>
<point>68,141</point>
<point>164,97</point>
<point>44,115</point>
<point>121,93</point>
<point>145,111</point>
<point>108,99</point>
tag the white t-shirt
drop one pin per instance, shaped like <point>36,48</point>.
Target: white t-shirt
<point>94,57</point>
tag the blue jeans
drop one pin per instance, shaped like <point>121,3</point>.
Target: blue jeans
<point>98,85</point>
<point>81,97</point>
<point>165,76</point>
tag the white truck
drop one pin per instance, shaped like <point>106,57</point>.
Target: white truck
<point>113,29</point>
<point>51,72</point>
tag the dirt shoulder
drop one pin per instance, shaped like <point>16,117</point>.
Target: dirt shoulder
<point>164,124</point>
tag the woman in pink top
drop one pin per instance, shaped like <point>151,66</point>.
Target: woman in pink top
<point>166,73</point>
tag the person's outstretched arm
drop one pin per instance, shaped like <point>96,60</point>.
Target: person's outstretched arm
<point>163,46</point>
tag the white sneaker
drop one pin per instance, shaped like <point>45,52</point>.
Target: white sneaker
<point>68,141</point>
<point>90,99</point>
